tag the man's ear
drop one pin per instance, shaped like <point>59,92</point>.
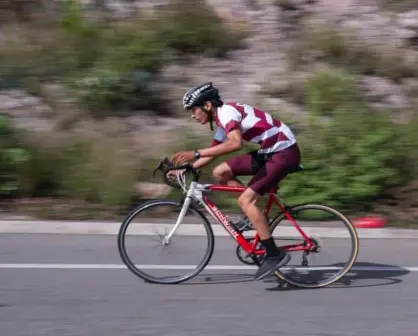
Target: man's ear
<point>208,105</point>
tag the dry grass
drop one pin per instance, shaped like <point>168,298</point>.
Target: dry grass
<point>92,169</point>
<point>323,41</point>
<point>398,5</point>
<point>97,162</point>
<point>30,50</point>
<point>237,26</point>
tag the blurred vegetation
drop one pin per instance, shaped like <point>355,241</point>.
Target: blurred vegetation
<point>194,27</point>
<point>398,5</point>
<point>111,63</point>
<point>13,156</point>
<point>329,91</point>
<point>96,162</point>
<point>357,158</point>
<point>325,42</point>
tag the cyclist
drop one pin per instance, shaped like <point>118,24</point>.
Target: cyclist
<point>277,156</point>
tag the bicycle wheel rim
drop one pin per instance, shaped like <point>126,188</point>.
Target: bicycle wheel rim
<point>352,233</point>
<point>136,269</point>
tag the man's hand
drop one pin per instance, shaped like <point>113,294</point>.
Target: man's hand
<point>182,157</point>
<point>173,174</point>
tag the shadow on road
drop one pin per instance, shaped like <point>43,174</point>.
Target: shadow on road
<point>362,275</point>
<point>213,278</point>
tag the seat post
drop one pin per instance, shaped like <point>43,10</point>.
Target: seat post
<point>274,189</point>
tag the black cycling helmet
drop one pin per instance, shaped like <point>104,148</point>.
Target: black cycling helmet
<point>200,94</point>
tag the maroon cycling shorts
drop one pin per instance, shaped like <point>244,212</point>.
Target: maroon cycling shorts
<point>268,169</point>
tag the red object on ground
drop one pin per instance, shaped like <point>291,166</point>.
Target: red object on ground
<point>369,222</point>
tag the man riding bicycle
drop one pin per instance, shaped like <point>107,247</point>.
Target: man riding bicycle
<point>277,156</point>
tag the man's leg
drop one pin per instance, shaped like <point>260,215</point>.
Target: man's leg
<point>247,202</point>
<point>269,175</point>
<point>239,165</point>
<point>275,257</point>
<point>224,175</point>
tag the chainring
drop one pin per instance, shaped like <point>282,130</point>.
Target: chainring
<point>249,259</point>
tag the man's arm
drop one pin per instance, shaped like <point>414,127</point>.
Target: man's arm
<point>234,143</point>
<point>229,134</point>
<point>199,163</point>
<point>219,138</point>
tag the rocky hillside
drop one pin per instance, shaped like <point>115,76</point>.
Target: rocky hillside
<point>295,58</point>
<point>277,54</point>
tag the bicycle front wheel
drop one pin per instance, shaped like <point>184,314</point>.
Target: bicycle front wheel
<point>146,251</point>
<point>332,254</point>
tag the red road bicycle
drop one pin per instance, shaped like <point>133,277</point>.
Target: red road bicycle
<point>249,250</point>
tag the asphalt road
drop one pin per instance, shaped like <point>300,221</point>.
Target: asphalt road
<point>379,300</point>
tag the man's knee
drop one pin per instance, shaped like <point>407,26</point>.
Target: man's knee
<point>248,197</point>
<point>222,173</point>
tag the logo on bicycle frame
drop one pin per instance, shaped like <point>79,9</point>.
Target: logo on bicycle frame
<point>224,221</point>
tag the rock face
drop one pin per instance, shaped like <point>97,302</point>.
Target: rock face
<point>26,111</point>
<point>152,190</point>
<point>381,92</point>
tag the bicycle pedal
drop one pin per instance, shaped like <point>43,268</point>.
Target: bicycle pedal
<point>245,228</point>
<point>234,226</point>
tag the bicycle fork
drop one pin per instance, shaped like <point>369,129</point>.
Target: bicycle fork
<point>182,214</point>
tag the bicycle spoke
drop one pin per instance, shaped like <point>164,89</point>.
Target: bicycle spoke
<point>143,256</point>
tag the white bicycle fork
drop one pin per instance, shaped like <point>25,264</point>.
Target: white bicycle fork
<point>183,212</point>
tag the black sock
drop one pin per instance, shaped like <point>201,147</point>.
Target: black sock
<point>270,246</point>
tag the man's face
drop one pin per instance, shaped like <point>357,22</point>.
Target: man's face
<point>201,114</point>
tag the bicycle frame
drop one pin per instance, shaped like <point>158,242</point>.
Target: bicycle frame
<point>196,192</point>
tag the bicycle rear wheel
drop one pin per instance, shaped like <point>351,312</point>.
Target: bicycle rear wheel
<point>160,217</point>
<point>304,270</point>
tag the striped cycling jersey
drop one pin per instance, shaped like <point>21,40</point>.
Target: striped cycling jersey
<point>256,126</point>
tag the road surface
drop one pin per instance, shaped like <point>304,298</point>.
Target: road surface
<point>98,296</point>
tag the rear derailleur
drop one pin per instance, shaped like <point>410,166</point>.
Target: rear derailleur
<point>314,249</point>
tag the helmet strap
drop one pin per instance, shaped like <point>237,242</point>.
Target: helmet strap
<point>210,115</point>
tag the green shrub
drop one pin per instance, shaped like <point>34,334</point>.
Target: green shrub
<point>97,162</point>
<point>13,156</point>
<point>354,158</point>
<point>194,27</point>
<point>42,174</point>
<point>328,89</point>
<point>33,52</point>
<point>120,77</point>
<point>103,164</point>
<point>83,35</point>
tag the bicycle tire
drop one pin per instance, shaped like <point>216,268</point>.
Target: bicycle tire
<point>131,266</point>
<point>354,243</point>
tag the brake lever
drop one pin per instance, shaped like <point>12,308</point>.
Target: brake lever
<point>158,168</point>
<point>163,164</point>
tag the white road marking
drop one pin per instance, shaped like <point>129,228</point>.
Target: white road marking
<point>190,267</point>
